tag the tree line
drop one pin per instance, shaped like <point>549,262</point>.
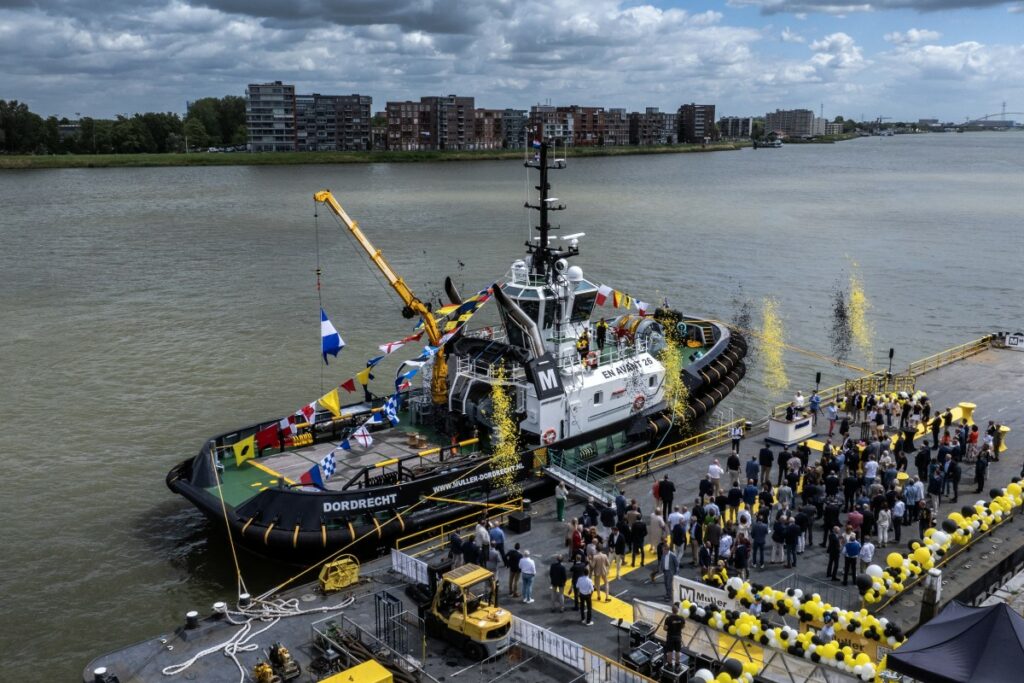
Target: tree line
<point>210,121</point>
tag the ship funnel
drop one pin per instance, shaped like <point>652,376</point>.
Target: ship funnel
<point>520,318</point>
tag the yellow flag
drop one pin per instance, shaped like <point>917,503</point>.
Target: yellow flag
<point>331,402</point>
<point>445,310</point>
<point>363,376</point>
<point>245,450</point>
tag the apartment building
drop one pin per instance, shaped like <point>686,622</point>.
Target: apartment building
<point>554,124</point>
<point>652,127</point>
<point>270,117</point>
<point>616,128</point>
<point>513,128</point>
<point>792,122</point>
<point>433,123</point>
<point>697,123</point>
<point>488,132</point>
<point>328,123</point>
<point>736,126</point>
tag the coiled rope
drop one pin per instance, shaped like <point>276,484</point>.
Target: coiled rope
<point>261,611</point>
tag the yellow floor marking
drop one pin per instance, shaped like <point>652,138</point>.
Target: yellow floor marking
<point>264,468</point>
<point>607,604</point>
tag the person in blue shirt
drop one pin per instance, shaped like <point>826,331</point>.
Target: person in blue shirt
<point>498,541</point>
<point>851,553</point>
<point>815,403</point>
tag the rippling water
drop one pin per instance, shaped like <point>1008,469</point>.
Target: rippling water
<point>142,310</point>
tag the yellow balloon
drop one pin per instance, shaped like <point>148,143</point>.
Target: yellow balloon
<point>894,560</point>
<point>922,555</point>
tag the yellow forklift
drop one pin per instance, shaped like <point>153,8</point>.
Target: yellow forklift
<point>462,607</point>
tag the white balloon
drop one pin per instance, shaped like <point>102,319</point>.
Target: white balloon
<point>874,571</point>
<point>704,675</point>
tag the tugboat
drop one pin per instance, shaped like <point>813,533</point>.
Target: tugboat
<point>386,467</point>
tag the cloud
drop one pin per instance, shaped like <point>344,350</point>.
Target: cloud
<point>966,61</point>
<point>154,55</point>
<point>912,36</point>
<point>791,36</point>
<point>837,51</point>
<point>839,7</point>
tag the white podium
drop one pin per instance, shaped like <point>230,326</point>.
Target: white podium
<point>788,433</point>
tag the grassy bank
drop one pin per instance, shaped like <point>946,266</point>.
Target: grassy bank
<point>293,158</point>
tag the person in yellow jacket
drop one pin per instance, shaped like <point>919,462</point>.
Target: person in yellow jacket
<point>583,344</point>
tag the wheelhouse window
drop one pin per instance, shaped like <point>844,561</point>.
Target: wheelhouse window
<point>582,306</point>
<point>598,398</point>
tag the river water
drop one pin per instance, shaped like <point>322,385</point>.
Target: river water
<point>142,310</point>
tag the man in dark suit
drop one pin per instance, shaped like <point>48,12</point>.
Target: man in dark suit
<point>666,491</point>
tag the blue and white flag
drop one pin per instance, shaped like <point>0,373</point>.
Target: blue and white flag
<point>330,341</point>
<point>391,409</point>
<point>428,352</point>
<point>403,379</point>
<point>327,465</point>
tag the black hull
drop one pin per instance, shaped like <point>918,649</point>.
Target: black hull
<point>289,525</point>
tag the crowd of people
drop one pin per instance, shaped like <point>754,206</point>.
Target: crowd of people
<point>855,496</point>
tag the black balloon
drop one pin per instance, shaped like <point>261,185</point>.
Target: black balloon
<point>967,511</point>
<point>995,493</point>
<point>949,526</point>
<point>733,667</point>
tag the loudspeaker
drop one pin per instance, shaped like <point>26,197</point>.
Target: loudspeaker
<point>519,522</point>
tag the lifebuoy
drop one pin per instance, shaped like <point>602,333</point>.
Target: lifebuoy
<point>487,333</point>
<point>591,359</point>
<point>638,402</point>
<point>548,437</point>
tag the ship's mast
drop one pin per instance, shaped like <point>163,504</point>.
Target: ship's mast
<point>543,255</point>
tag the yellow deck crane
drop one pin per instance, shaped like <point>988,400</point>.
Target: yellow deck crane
<point>413,305</point>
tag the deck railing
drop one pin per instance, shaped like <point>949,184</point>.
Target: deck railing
<point>948,356</point>
<point>918,367</point>
<point>673,453</point>
<point>435,537</point>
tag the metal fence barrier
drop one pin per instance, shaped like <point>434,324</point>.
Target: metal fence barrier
<point>409,567</point>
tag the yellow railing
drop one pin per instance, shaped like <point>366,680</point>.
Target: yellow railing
<point>943,561</point>
<point>948,356</point>
<point>674,452</point>
<point>918,367</point>
<point>432,538</point>
<point>829,395</point>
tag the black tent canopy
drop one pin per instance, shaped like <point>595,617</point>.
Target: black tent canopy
<point>965,644</point>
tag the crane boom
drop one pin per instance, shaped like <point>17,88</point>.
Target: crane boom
<point>439,379</point>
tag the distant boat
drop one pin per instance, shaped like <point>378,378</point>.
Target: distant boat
<point>774,144</point>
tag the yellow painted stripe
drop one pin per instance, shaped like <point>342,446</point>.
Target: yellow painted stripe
<point>266,535</point>
<point>264,468</point>
<point>295,537</point>
<point>385,463</point>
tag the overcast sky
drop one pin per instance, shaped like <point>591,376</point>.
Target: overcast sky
<point>905,59</point>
